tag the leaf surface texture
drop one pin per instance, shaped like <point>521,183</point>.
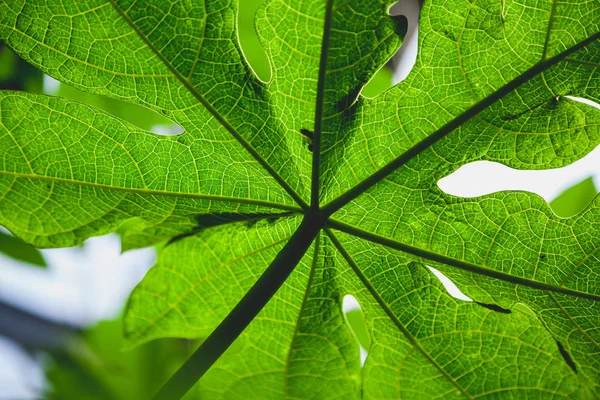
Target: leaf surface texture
<point>490,83</point>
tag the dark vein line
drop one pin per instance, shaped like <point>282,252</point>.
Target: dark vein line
<point>577,326</point>
<point>302,306</point>
<point>212,110</point>
<point>579,264</point>
<point>237,218</point>
<point>243,313</point>
<point>174,306</point>
<point>442,132</point>
<point>383,304</point>
<point>314,193</point>
<point>148,192</point>
<point>453,262</point>
<point>549,30</point>
<point>583,62</point>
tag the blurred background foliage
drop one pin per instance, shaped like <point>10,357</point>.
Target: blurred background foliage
<point>95,366</point>
<point>573,200</point>
<point>89,362</point>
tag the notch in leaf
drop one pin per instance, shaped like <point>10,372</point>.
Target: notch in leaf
<point>566,356</point>
<point>494,307</point>
<point>309,137</point>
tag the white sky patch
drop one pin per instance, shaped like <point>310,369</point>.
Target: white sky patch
<point>452,289</point>
<point>584,101</point>
<point>480,178</point>
<point>21,375</point>
<point>166,129</point>
<point>81,286</point>
<point>349,303</point>
<point>406,57</point>
<point>50,85</point>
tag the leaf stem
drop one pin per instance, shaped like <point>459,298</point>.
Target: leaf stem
<point>244,312</point>
<point>455,123</point>
<point>314,193</point>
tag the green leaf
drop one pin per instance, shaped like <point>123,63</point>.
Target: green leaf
<point>19,250</point>
<point>97,368</point>
<point>356,320</point>
<point>16,74</point>
<point>442,334</point>
<point>139,116</point>
<point>57,152</point>
<point>574,200</point>
<point>198,279</point>
<point>305,169</point>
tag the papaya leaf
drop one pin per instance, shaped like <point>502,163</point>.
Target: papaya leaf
<point>280,197</point>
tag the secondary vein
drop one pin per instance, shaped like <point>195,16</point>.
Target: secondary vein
<point>450,126</point>
<point>314,194</point>
<point>549,29</point>
<point>383,304</point>
<point>149,192</point>
<point>453,262</point>
<point>186,83</point>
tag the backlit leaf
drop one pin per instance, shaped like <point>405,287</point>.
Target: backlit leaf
<point>258,157</point>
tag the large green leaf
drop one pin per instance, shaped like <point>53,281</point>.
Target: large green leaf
<point>304,169</point>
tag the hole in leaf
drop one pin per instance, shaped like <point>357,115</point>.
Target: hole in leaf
<point>51,85</point>
<point>17,74</point>
<point>584,101</point>
<point>481,178</point>
<point>251,47</point>
<point>473,179</point>
<point>566,356</point>
<point>379,83</point>
<point>494,307</point>
<point>404,60</point>
<point>406,13</point>
<point>450,286</point>
<point>356,321</point>
<point>166,130</point>
<point>140,116</point>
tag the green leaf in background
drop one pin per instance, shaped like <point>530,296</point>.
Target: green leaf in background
<point>356,320</point>
<point>574,200</point>
<point>253,50</point>
<point>16,74</point>
<point>19,250</point>
<point>139,116</point>
<point>380,82</point>
<point>99,368</point>
<point>322,191</point>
